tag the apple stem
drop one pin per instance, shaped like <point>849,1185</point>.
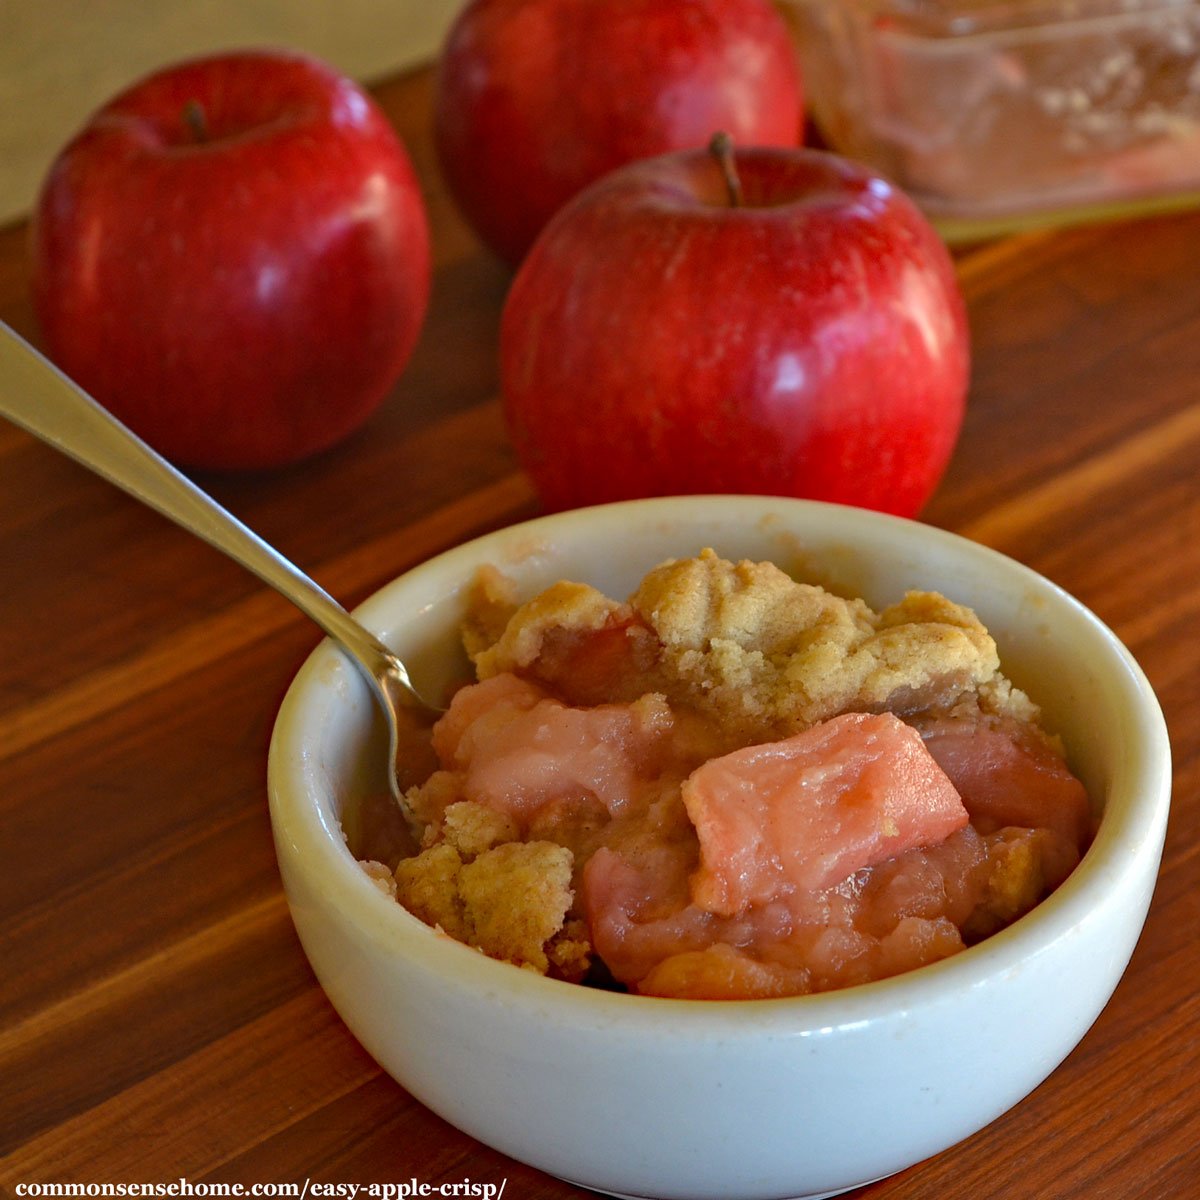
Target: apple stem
<point>721,148</point>
<point>195,120</point>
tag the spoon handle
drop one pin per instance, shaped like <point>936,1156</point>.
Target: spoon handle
<point>39,398</point>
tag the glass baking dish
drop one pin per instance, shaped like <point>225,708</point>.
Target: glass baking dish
<point>998,115</point>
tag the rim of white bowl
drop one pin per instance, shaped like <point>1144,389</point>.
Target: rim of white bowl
<point>1135,829</point>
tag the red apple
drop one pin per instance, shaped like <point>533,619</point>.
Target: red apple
<point>233,257</point>
<point>810,340</point>
<point>538,98</point>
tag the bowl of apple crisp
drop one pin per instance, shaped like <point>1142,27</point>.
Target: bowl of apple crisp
<point>752,834</point>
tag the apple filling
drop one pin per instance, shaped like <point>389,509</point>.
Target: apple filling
<point>733,786</point>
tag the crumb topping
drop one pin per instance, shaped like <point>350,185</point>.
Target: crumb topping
<point>761,653</point>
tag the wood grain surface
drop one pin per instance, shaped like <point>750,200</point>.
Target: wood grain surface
<point>157,1017</point>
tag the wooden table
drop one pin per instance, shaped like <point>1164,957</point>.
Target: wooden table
<point>159,1020</point>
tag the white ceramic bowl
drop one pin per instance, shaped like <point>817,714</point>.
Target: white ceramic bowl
<point>732,1100</point>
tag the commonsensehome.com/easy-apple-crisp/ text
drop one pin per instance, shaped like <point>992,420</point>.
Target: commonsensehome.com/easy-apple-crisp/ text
<point>310,1189</point>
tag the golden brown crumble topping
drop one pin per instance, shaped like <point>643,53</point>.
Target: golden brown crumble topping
<point>760,653</point>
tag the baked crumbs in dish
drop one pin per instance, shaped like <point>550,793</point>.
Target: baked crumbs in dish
<point>733,785</point>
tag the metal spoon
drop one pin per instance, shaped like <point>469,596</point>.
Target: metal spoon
<point>39,398</point>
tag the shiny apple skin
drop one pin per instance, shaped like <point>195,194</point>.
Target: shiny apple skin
<point>536,99</point>
<point>246,300</point>
<point>810,343</point>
